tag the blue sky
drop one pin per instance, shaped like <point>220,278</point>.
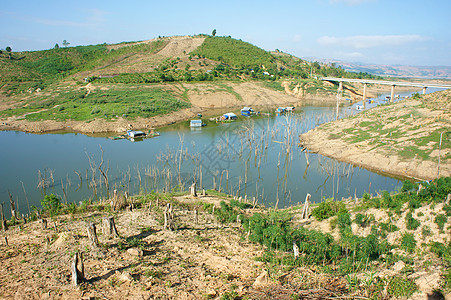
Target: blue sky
<point>394,32</point>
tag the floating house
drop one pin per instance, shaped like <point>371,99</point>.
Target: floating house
<point>135,133</point>
<point>289,108</point>
<point>229,116</point>
<point>247,111</point>
<point>281,110</point>
<point>359,107</point>
<point>196,123</point>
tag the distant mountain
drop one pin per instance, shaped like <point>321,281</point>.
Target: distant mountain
<point>442,72</point>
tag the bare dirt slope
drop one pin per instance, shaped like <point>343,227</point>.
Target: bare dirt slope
<point>402,138</point>
<point>199,260</point>
<point>177,46</point>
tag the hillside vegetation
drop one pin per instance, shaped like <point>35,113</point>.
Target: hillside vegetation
<point>126,78</point>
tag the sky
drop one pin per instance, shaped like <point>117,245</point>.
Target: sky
<point>389,32</point>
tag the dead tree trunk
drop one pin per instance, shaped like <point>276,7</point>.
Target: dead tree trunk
<point>306,209</point>
<point>13,206</point>
<point>77,274</point>
<point>192,190</point>
<point>196,216</point>
<point>4,226</point>
<point>109,228</point>
<point>92,234</point>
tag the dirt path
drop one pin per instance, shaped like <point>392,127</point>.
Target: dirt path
<point>401,139</point>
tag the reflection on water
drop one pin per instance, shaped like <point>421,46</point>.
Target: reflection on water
<point>253,157</point>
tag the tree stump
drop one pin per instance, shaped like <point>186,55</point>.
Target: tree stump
<point>109,227</point>
<point>168,217</point>
<point>92,234</point>
<point>295,250</point>
<point>192,190</point>
<point>43,223</point>
<point>77,274</point>
<point>4,225</point>
<point>196,216</point>
<point>238,219</point>
<point>306,209</point>
<point>203,192</point>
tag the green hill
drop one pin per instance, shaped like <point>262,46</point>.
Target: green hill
<point>54,79</point>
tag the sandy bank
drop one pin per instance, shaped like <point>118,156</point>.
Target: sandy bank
<point>401,139</point>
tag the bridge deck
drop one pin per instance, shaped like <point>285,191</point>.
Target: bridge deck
<point>393,83</point>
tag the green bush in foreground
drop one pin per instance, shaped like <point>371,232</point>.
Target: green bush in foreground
<point>408,242</point>
<point>327,209</point>
<point>401,287</point>
<point>51,204</point>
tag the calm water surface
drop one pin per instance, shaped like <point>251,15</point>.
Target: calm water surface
<point>257,157</point>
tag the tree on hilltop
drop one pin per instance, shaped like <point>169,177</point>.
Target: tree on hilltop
<point>213,33</point>
<point>56,46</point>
<point>9,50</point>
<point>66,43</point>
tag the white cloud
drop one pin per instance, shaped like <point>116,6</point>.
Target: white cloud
<point>370,41</point>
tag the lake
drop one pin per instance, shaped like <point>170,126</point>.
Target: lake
<point>253,157</point>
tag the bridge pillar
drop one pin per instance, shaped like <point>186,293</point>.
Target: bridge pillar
<point>392,95</point>
<point>424,90</point>
<point>364,91</point>
<point>340,86</point>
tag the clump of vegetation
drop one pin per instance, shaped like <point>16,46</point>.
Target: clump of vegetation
<point>400,286</point>
<point>411,222</point>
<point>441,220</point>
<point>51,204</point>
<point>327,209</point>
<point>364,220</point>
<point>408,242</point>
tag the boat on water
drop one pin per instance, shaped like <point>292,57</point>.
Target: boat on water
<point>247,111</point>
<point>136,135</point>
<point>196,123</point>
<point>281,110</point>
<point>359,107</point>
<point>228,117</point>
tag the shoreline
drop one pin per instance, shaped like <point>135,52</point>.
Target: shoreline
<point>399,139</point>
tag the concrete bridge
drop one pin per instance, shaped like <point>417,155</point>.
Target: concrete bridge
<point>365,82</point>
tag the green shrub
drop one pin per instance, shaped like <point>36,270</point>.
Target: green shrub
<point>447,209</point>
<point>327,209</point>
<point>401,287</point>
<point>426,231</point>
<point>363,220</point>
<point>411,222</point>
<point>344,221</point>
<point>414,203</point>
<point>408,242</point>
<point>441,220</point>
<point>51,204</point>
